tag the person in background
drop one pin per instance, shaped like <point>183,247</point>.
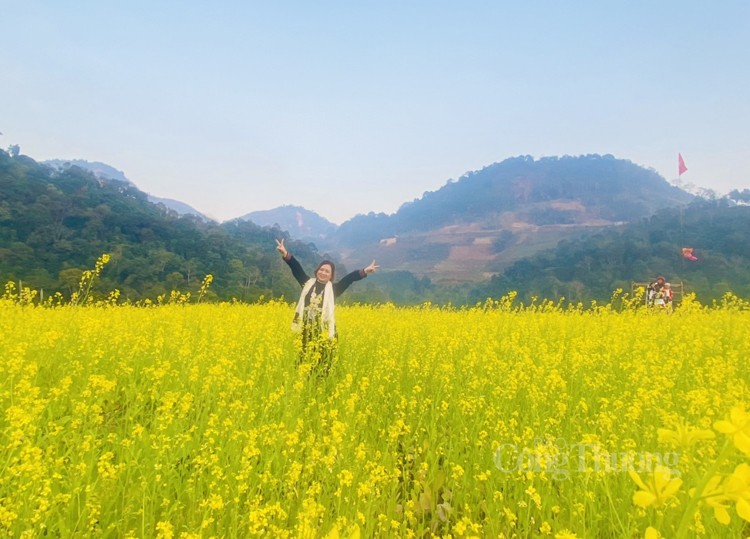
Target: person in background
<point>668,295</point>
<point>314,316</point>
<point>654,295</point>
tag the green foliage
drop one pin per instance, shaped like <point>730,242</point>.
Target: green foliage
<point>589,269</point>
<point>600,186</point>
<point>55,223</point>
<point>400,287</point>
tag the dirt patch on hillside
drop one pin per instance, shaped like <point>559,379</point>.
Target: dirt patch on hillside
<point>470,252</point>
<point>483,241</point>
<point>570,205</point>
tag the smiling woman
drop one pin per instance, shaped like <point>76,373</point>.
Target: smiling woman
<point>314,316</point>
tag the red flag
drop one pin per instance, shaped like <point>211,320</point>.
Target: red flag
<point>681,164</point>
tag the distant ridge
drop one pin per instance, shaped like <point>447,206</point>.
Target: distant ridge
<point>56,222</point>
<point>180,207</point>
<point>104,171</point>
<point>99,169</point>
<point>558,236</point>
<point>301,223</point>
<point>478,225</point>
<point>482,222</point>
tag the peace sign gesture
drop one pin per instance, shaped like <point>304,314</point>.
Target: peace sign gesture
<point>280,248</point>
<point>371,268</point>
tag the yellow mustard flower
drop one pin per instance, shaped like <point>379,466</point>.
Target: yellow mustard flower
<point>659,489</point>
<point>737,488</point>
<point>683,435</point>
<point>715,497</point>
<point>337,533</point>
<point>164,530</point>
<point>737,427</point>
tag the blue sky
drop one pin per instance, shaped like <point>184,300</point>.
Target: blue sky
<point>349,107</point>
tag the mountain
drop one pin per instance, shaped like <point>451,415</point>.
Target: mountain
<point>476,226</point>
<point>105,172</point>
<point>178,207</point>
<point>591,268</point>
<point>480,224</point>
<point>55,222</point>
<point>98,169</point>
<point>301,223</point>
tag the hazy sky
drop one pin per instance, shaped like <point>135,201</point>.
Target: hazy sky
<point>351,107</point>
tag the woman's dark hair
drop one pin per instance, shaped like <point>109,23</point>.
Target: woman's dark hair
<point>333,267</point>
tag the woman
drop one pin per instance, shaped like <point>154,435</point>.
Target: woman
<point>314,316</point>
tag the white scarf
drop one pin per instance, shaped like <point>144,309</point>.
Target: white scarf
<point>326,317</point>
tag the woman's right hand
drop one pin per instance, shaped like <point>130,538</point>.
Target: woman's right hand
<point>280,248</point>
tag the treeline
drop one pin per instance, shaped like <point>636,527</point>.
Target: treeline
<point>591,268</point>
<point>54,224</point>
<point>610,188</point>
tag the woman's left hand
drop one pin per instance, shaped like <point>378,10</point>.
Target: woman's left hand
<point>371,268</point>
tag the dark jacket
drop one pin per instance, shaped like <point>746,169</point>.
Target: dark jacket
<point>338,288</point>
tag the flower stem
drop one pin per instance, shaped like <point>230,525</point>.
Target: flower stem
<point>687,516</point>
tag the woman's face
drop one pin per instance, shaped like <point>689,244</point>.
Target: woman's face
<point>324,273</point>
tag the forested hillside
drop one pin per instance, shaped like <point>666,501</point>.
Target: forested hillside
<point>488,219</point>
<point>602,187</point>
<point>103,171</point>
<point>55,223</point>
<point>301,223</point>
<point>591,268</point>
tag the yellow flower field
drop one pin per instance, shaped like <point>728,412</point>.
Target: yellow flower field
<point>193,421</point>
